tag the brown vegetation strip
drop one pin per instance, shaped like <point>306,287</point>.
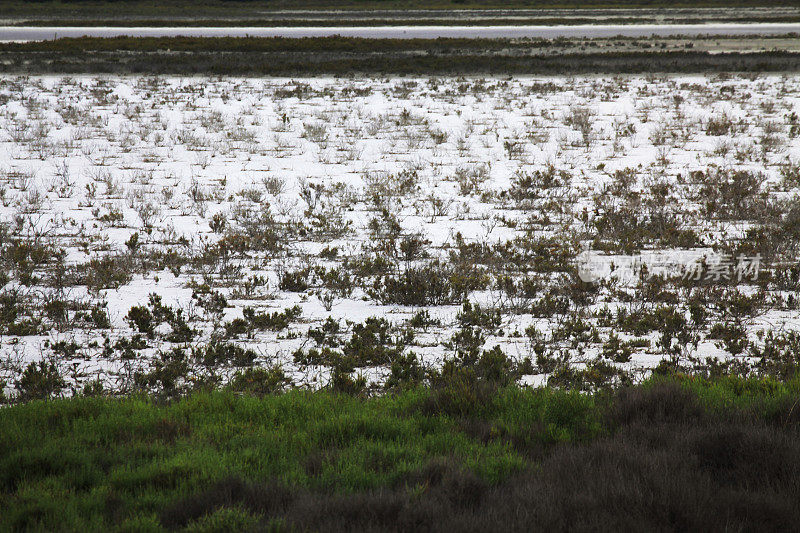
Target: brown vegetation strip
<point>419,63</point>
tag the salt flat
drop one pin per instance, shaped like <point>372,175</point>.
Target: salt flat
<point>378,207</point>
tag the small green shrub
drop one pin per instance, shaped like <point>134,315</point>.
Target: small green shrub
<point>147,319</point>
<point>39,381</point>
<point>260,381</point>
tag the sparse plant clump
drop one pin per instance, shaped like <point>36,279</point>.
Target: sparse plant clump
<point>147,319</point>
<point>432,284</point>
<point>721,125</point>
<point>730,195</point>
<point>254,321</point>
<point>259,381</point>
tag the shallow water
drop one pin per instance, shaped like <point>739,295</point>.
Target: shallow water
<point>29,33</point>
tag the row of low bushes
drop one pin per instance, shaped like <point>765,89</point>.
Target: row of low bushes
<point>417,61</point>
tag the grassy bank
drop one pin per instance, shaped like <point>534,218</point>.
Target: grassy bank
<point>677,453</point>
<point>251,65</point>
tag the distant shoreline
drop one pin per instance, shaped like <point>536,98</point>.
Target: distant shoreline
<point>138,13</point>
<point>348,56</point>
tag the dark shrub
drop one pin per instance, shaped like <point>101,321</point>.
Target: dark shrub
<point>39,381</point>
<point>657,403</point>
<point>264,499</point>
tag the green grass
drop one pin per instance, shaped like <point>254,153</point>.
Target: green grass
<point>65,458</point>
<point>100,463</point>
